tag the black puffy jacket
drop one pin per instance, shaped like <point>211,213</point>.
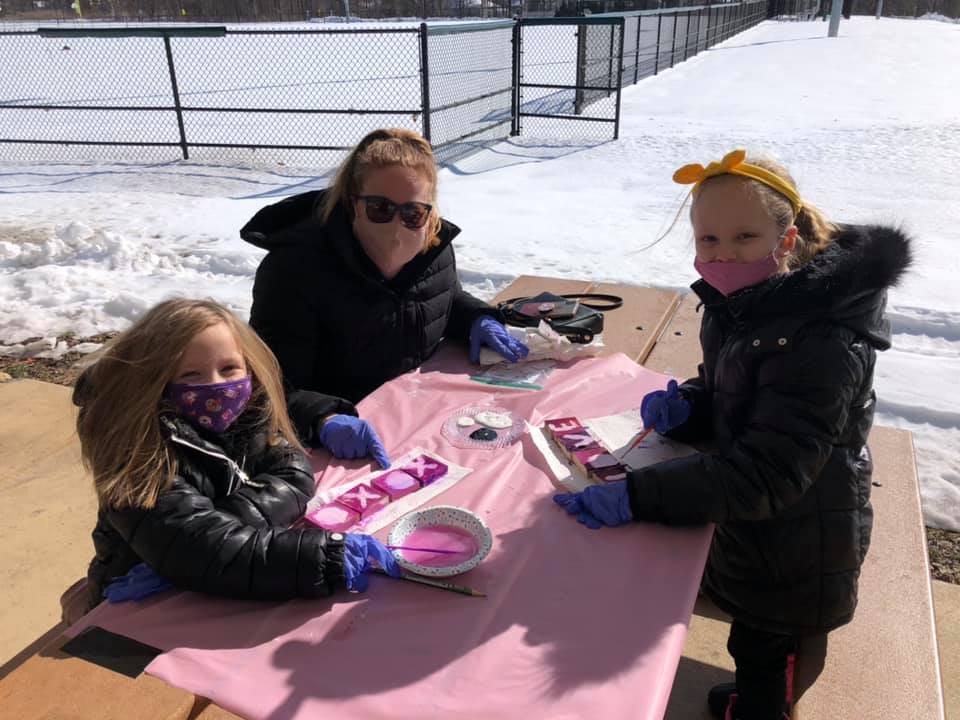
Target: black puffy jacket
<point>223,526</point>
<point>785,393</point>
<point>334,323</point>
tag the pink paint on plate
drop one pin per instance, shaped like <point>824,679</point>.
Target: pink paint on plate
<point>440,537</point>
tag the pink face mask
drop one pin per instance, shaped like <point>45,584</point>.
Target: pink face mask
<point>728,277</point>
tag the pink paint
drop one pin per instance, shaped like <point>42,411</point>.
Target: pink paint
<point>610,474</point>
<point>442,537</point>
<point>585,456</point>
<point>363,500</point>
<point>425,469</point>
<point>333,517</point>
<point>603,461</point>
<point>396,484</point>
<point>580,440</point>
<point>562,425</point>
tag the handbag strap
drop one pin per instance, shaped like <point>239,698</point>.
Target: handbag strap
<point>610,302</point>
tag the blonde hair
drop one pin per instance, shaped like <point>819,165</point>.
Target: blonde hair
<point>388,147</point>
<point>814,231</point>
<point>121,399</point>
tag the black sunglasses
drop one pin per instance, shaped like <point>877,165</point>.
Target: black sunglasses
<point>382,210</point>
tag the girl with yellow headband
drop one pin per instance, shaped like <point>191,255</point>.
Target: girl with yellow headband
<point>792,320</point>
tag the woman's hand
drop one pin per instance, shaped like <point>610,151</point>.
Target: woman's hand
<point>487,331</point>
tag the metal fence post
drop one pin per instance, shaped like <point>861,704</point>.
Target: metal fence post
<point>581,68</point>
<point>616,119</point>
<point>673,46</point>
<point>610,57</point>
<point>696,50</point>
<point>176,97</point>
<point>636,55</point>
<point>425,80</point>
<point>656,58</point>
<point>515,99</point>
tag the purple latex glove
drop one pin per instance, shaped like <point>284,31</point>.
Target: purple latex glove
<point>139,582</point>
<point>487,331</point>
<point>665,409</point>
<point>598,505</point>
<point>350,437</point>
<point>358,550</point>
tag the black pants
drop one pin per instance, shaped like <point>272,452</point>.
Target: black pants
<point>761,660</point>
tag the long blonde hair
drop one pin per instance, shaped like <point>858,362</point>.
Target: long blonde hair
<point>388,147</point>
<point>121,399</point>
<point>814,231</point>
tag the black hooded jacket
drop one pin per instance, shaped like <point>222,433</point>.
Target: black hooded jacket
<point>334,323</point>
<point>222,527</point>
<point>785,393</point>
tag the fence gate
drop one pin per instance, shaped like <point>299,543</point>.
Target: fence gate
<point>568,71</point>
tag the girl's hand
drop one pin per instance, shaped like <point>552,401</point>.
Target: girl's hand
<point>665,410</point>
<point>598,505</point>
<point>358,550</point>
<point>350,437</point>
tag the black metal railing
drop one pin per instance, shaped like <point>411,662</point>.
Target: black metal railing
<point>305,96</point>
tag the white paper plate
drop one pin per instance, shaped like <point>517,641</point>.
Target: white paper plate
<point>442,515</point>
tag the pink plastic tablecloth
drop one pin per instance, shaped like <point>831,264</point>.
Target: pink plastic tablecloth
<point>577,623</point>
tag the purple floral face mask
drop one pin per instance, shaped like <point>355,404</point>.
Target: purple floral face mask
<point>213,406</point>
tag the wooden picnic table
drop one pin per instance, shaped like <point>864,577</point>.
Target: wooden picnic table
<point>884,664</point>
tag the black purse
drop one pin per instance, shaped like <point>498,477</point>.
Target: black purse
<point>568,315</point>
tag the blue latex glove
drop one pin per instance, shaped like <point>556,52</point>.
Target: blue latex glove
<point>140,582</point>
<point>358,550</point>
<point>598,505</point>
<point>665,409</point>
<point>487,331</point>
<point>350,437</point>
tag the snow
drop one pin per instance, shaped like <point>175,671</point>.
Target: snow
<point>868,124</point>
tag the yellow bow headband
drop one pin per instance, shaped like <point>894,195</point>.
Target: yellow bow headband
<point>733,164</point>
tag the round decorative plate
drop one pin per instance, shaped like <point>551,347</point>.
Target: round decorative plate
<point>465,539</point>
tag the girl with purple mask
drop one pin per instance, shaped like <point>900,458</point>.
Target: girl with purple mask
<point>198,470</point>
<point>792,320</point>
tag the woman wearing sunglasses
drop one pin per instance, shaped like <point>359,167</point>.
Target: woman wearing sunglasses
<point>360,281</point>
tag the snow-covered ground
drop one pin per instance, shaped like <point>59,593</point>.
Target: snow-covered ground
<point>869,124</point>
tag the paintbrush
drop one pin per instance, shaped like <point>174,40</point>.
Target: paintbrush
<point>439,584</point>
<point>426,550</point>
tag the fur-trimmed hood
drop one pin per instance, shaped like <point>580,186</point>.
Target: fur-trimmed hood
<point>846,282</point>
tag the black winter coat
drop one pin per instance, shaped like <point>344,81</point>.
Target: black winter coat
<point>334,323</point>
<point>785,392</point>
<point>222,527</point>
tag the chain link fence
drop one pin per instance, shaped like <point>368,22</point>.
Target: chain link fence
<point>303,97</point>
<point>470,86</point>
<point>296,97</point>
<point>795,9</point>
<point>571,70</point>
